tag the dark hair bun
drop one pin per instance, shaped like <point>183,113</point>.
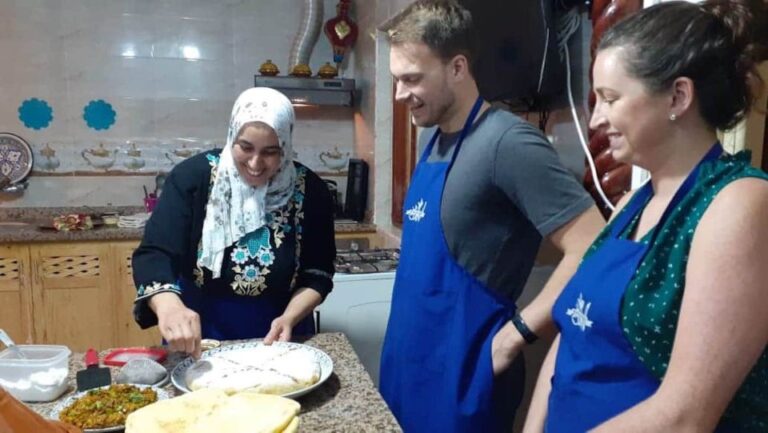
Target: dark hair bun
<point>748,21</point>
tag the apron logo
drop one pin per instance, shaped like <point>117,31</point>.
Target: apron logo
<point>417,212</point>
<point>579,314</point>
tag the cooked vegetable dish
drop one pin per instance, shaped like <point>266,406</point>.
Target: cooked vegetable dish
<point>107,407</point>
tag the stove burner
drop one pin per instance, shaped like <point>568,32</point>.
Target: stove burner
<point>367,261</point>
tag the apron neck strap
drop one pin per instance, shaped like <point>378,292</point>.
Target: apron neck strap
<point>464,133</point>
<point>641,198</point>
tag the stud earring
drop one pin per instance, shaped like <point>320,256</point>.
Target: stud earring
<point>673,117</point>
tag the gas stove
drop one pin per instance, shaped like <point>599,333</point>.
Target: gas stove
<point>366,261</point>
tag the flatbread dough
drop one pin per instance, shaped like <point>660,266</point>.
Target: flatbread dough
<point>213,410</point>
<point>270,369</point>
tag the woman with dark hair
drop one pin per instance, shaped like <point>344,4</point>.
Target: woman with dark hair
<point>664,326</point>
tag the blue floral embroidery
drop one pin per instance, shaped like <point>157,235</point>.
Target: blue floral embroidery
<point>265,256</point>
<point>156,287</point>
<point>255,241</point>
<point>253,255</point>
<point>239,255</point>
<point>250,273</point>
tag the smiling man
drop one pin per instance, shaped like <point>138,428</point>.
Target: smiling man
<point>487,190</point>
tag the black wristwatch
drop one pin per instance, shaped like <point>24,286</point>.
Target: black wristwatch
<point>523,329</point>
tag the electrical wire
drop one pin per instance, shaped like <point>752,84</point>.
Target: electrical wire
<point>566,27</point>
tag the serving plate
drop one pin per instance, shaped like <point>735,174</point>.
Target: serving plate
<point>15,157</point>
<point>179,373</point>
<point>62,404</point>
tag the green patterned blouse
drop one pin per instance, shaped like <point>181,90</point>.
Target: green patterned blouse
<point>652,301</point>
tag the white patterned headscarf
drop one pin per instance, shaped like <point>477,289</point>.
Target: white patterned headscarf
<point>234,207</point>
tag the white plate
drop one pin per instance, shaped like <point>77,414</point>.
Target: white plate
<point>62,404</point>
<point>179,373</point>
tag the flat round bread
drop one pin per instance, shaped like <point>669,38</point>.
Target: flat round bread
<point>213,410</point>
<point>266,369</point>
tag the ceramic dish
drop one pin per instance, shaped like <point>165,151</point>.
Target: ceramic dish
<point>62,404</point>
<point>179,373</point>
<point>15,157</point>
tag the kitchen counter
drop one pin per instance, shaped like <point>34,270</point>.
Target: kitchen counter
<point>21,225</point>
<point>346,402</point>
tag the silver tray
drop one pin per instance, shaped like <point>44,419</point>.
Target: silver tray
<point>179,373</point>
<point>15,157</point>
<point>62,404</point>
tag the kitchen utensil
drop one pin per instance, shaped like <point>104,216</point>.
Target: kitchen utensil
<point>12,347</point>
<point>120,357</point>
<point>179,373</point>
<point>93,376</point>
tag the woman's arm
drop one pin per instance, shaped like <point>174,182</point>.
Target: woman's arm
<point>303,302</point>
<point>318,251</point>
<point>158,260</point>
<point>537,411</point>
<point>318,243</point>
<point>723,325</point>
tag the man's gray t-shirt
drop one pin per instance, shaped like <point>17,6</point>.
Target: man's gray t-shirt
<point>506,190</point>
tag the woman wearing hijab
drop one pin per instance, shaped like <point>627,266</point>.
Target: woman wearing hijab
<point>241,243</point>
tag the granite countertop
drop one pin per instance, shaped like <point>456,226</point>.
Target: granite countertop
<point>347,402</point>
<point>22,225</point>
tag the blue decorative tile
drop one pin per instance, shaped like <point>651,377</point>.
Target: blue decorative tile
<point>35,113</point>
<point>99,114</point>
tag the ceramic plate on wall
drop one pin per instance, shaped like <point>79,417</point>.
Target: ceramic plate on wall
<point>15,157</point>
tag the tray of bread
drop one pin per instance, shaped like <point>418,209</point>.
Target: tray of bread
<point>285,369</point>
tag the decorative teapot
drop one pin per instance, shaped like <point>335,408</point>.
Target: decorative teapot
<point>48,160</point>
<point>269,69</point>
<point>100,157</point>
<point>133,160</point>
<point>334,159</point>
<point>182,153</point>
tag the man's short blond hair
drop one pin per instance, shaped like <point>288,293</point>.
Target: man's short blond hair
<point>442,25</point>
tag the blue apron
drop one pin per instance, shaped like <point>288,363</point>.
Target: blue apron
<point>436,368</point>
<point>597,374</point>
<point>227,316</point>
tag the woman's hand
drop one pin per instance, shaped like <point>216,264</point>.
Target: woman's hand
<point>280,330</point>
<point>179,325</point>
<point>302,303</point>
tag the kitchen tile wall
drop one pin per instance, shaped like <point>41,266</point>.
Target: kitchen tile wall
<point>170,69</point>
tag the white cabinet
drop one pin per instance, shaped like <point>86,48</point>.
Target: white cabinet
<point>359,306</point>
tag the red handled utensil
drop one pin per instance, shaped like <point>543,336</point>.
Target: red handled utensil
<point>93,376</point>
